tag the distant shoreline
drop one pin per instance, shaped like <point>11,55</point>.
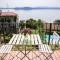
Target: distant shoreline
<point>32,8</point>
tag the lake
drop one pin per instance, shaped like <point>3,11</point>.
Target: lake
<point>46,15</point>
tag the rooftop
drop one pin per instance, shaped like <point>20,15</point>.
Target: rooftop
<point>8,14</point>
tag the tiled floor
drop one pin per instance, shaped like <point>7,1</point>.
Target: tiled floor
<point>33,55</point>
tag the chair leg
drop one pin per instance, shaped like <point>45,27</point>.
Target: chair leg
<point>49,57</point>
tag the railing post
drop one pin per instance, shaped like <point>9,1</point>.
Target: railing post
<point>50,33</point>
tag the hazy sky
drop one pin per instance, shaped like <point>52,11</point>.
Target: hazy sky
<point>30,3</point>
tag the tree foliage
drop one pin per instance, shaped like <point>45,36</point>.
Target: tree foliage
<point>31,23</point>
<point>21,24</point>
<point>57,21</point>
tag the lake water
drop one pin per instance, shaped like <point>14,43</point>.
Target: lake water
<point>43,14</point>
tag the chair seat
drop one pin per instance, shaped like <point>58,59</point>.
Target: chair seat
<point>6,48</point>
<point>45,48</point>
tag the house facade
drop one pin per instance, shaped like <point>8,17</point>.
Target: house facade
<point>8,22</point>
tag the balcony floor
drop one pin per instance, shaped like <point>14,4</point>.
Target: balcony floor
<point>33,55</point>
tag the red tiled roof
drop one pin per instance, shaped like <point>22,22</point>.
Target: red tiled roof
<point>8,14</point>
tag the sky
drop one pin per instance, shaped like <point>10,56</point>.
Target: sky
<point>29,3</point>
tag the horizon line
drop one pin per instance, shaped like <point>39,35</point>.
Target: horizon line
<point>29,7</point>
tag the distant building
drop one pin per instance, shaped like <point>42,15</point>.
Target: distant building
<point>8,22</point>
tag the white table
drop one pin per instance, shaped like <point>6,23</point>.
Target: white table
<point>20,39</point>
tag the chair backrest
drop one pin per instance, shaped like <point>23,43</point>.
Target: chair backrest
<point>56,38</point>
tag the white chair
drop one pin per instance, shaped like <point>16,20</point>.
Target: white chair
<point>43,48</point>
<point>4,50</point>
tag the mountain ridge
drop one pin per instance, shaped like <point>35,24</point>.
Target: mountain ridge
<point>30,8</point>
